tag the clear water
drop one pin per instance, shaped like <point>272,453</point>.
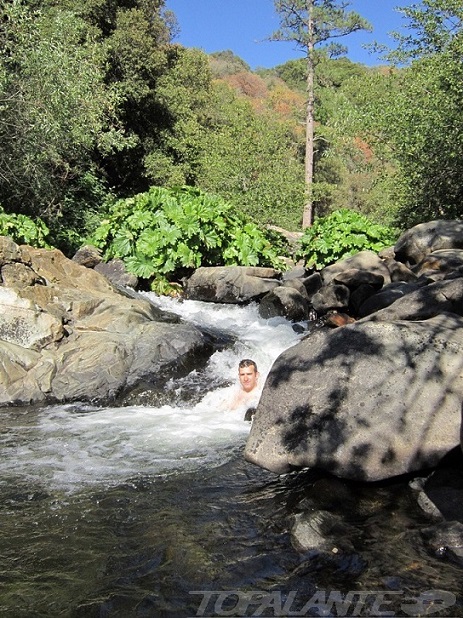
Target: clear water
<point>128,511</point>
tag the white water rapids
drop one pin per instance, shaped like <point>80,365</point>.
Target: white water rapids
<point>71,446</point>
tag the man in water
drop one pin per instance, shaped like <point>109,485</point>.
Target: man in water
<point>248,376</point>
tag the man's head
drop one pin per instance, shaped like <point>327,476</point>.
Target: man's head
<point>248,374</point>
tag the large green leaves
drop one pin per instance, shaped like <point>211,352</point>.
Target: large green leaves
<point>164,233</point>
<point>341,234</point>
<point>23,229</point>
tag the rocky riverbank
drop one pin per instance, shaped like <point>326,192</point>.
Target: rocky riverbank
<point>380,396</point>
<point>67,333</point>
<point>376,397</point>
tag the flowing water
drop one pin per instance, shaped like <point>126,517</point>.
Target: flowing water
<point>149,509</point>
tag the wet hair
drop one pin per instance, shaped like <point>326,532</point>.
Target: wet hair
<point>247,362</point>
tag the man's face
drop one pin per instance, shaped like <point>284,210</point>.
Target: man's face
<point>248,378</point>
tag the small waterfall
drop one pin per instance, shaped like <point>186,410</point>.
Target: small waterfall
<point>69,446</point>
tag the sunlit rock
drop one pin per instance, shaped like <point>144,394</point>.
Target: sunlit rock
<point>23,323</point>
<point>366,401</point>
<point>235,284</point>
<point>66,333</point>
<point>422,239</point>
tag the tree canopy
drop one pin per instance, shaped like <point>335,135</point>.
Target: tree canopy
<point>312,23</point>
<point>98,103</point>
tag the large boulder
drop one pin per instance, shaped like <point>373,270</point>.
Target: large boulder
<point>364,261</point>
<point>330,297</point>
<point>438,264</point>
<point>115,271</point>
<point>285,301</point>
<point>232,284</point>
<point>67,333</point>
<point>388,295</point>
<point>420,302</point>
<point>417,242</point>
<point>366,401</point>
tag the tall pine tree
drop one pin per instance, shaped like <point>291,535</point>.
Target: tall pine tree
<point>312,23</point>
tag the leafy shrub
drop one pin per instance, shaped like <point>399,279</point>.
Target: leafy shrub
<point>23,230</point>
<point>165,233</point>
<point>340,235</point>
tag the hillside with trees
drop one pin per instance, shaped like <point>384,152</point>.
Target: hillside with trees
<point>98,103</point>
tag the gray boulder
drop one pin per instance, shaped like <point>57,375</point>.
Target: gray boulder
<point>312,284</point>
<point>333,296</point>
<point>366,401</point>
<point>423,302</point>
<point>231,284</point>
<point>115,271</point>
<point>285,301</point>
<point>439,264</point>
<point>363,261</point>
<point>422,239</point>
<point>354,277</point>
<point>68,334</point>
<point>88,256</point>
<point>386,296</point>
<point>398,271</point>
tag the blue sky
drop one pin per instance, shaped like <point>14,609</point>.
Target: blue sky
<point>243,25</point>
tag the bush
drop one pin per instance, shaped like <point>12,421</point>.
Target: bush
<point>340,235</point>
<point>24,230</point>
<point>164,234</point>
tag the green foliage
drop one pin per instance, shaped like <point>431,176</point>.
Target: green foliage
<point>252,160</point>
<point>184,90</point>
<point>163,234</point>
<point>96,103</point>
<point>434,27</point>
<point>56,111</point>
<point>23,230</point>
<point>413,121</point>
<point>426,137</point>
<point>412,117</point>
<point>227,63</point>
<point>340,235</point>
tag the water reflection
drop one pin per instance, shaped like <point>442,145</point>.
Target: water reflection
<point>140,548</point>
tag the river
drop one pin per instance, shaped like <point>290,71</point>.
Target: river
<point>148,509</point>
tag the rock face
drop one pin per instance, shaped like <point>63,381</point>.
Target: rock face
<point>366,401</point>
<point>419,241</point>
<point>66,333</point>
<point>381,396</point>
<point>234,284</point>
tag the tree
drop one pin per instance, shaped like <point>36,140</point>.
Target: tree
<point>413,115</point>
<point>310,23</point>
<point>251,159</point>
<point>94,100</point>
<point>434,26</point>
<point>55,111</point>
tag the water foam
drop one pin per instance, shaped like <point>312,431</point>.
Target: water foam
<point>68,446</point>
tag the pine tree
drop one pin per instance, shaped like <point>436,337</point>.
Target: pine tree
<point>312,23</point>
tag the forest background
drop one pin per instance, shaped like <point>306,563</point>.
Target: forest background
<point>99,104</point>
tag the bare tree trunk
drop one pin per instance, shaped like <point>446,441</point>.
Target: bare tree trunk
<point>308,213</point>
